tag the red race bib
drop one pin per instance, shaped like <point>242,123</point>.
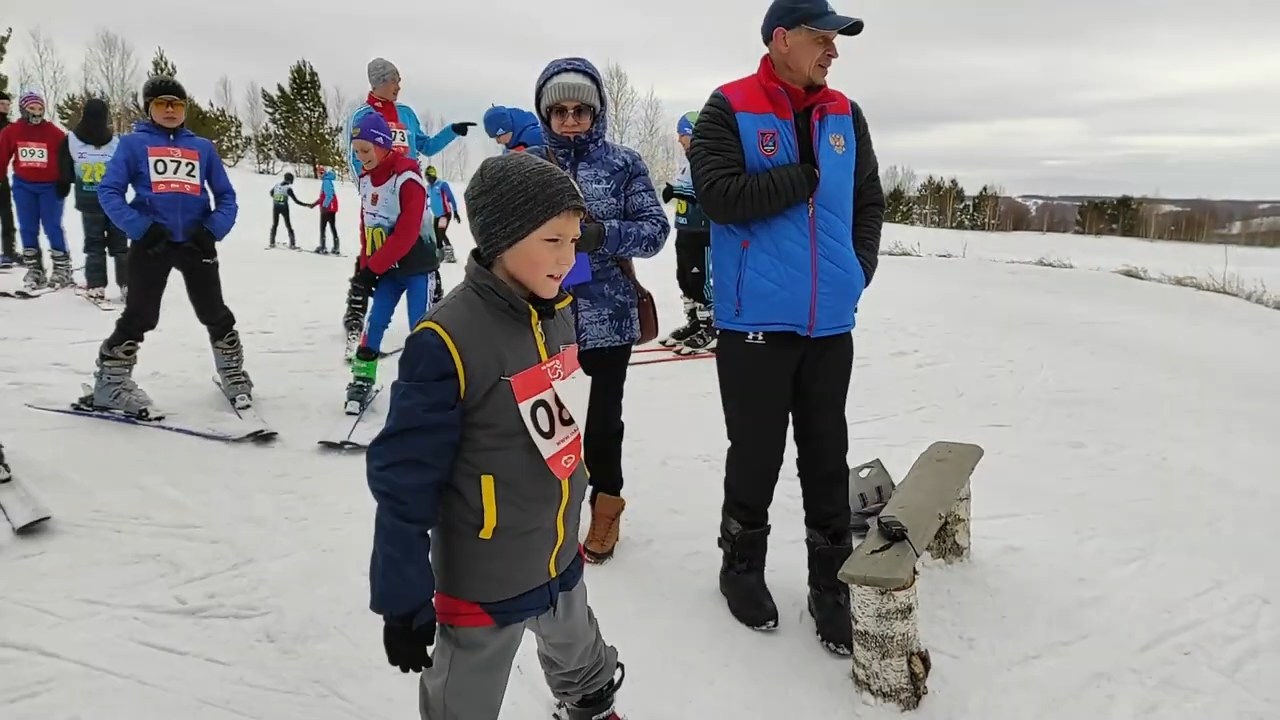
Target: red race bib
<point>174,170</point>
<point>32,155</point>
<point>549,421</point>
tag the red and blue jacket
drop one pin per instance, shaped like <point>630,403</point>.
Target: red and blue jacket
<point>794,237</point>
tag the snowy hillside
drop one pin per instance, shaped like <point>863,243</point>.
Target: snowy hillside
<point>1123,518</point>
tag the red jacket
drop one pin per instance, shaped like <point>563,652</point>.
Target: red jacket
<point>33,150</point>
<point>408,229</point>
<point>331,207</point>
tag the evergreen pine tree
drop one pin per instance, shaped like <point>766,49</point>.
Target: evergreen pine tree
<point>900,207</point>
<point>69,108</point>
<point>298,117</point>
<point>4,48</point>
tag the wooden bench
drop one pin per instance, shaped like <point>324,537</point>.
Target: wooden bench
<point>932,501</point>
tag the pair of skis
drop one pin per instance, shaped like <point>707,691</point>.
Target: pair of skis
<point>657,355</point>
<point>27,294</point>
<point>245,426</point>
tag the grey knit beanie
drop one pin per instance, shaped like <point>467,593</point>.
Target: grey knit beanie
<point>381,72</point>
<point>510,196</point>
<point>569,86</point>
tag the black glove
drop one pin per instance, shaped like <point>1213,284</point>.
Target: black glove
<point>668,192</point>
<point>203,242</point>
<point>154,242</point>
<point>366,279</point>
<point>461,128</point>
<point>457,216</point>
<point>64,189</point>
<point>406,646</point>
<point>592,237</point>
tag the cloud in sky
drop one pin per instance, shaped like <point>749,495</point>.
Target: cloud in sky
<point>1178,97</point>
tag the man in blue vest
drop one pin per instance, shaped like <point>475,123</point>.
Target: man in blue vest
<point>784,168</point>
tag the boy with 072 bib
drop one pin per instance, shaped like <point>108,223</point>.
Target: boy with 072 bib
<point>478,472</point>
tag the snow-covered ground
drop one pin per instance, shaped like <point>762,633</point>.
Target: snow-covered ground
<point>1250,266</point>
<point>1123,515</point>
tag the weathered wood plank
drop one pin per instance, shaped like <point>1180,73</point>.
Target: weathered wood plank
<point>922,501</point>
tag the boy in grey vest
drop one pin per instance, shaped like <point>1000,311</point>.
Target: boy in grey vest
<point>479,507</point>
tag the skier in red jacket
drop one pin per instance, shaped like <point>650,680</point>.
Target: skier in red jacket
<point>31,144</point>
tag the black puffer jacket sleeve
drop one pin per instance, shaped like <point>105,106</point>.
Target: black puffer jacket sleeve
<point>726,192</point>
<point>868,199</point>
<point>66,165</point>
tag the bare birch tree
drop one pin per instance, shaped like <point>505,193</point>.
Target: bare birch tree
<point>655,138</point>
<point>224,96</point>
<point>624,102</point>
<point>43,68</point>
<point>261,142</point>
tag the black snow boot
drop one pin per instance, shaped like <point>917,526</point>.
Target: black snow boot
<point>742,574</point>
<point>828,597</point>
<point>357,306</point>
<point>598,705</point>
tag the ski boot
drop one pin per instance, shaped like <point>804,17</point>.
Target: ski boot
<point>293,241</point>
<point>113,387</point>
<point>33,261</point>
<point>364,375</point>
<point>703,339</point>
<point>60,277</point>
<point>228,359</point>
<point>686,331</point>
<point>449,257</point>
<point>6,262</point>
<point>599,705</point>
<point>5,473</point>
<point>95,295</point>
<point>828,597</point>
<point>322,250</point>
<point>437,294</point>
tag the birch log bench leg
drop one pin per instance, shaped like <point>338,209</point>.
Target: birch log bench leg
<point>932,502</point>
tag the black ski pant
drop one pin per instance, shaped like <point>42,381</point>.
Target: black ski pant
<point>149,276</point>
<point>768,380</point>
<point>328,220</point>
<point>102,238</point>
<point>277,212</point>
<point>602,435</point>
<point>8,232</point>
<point>442,233</point>
<point>693,265</point>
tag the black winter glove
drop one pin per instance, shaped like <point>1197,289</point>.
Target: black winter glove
<point>460,128</point>
<point>592,237</point>
<point>406,646</point>
<point>203,242</point>
<point>154,242</point>
<point>668,192</point>
<point>457,216</point>
<point>64,189</point>
<point>366,279</point>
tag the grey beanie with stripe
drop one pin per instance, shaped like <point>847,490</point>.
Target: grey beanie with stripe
<point>568,86</point>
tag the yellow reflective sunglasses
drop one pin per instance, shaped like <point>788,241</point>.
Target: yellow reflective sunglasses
<point>168,103</point>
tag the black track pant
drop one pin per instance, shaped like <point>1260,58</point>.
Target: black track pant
<point>767,380</point>
<point>442,233</point>
<point>328,220</point>
<point>102,238</point>
<point>277,212</point>
<point>602,437</point>
<point>149,276</point>
<point>693,265</point>
<point>8,232</point>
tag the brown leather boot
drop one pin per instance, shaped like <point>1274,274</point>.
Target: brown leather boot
<point>606,523</point>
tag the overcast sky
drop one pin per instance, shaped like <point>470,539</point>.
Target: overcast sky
<point>1175,97</point>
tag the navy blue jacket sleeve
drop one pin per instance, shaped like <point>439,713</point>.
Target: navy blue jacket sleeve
<point>408,464</point>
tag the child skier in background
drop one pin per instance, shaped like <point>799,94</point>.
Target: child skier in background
<point>31,144</point>
<point>281,194</point>
<point>514,129</point>
<point>82,162</point>
<point>328,203</point>
<point>445,559</point>
<point>693,257</point>
<point>397,254</point>
<point>443,208</point>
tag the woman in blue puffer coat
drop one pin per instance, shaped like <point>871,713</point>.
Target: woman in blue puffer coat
<point>625,221</point>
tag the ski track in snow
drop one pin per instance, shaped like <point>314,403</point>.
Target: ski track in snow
<point>1122,516</point>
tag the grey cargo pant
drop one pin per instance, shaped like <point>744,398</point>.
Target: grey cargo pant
<point>472,665</point>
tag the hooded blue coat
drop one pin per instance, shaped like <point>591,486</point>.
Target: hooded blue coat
<point>615,183</point>
<point>523,125</point>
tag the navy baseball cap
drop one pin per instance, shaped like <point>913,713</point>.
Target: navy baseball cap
<point>813,14</point>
